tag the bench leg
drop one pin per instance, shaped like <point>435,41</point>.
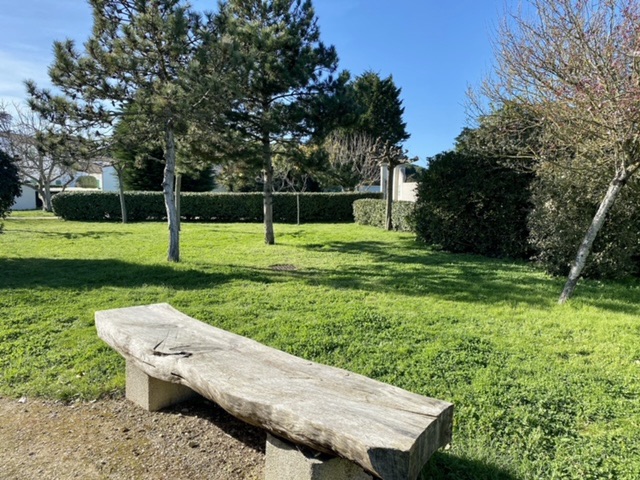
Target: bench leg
<point>153,394</point>
<point>285,461</point>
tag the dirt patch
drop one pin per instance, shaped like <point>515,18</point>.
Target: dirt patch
<point>114,439</point>
<point>284,267</point>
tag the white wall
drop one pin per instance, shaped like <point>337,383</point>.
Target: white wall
<point>402,191</point>
<point>26,201</point>
<point>109,181</point>
<point>406,192</point>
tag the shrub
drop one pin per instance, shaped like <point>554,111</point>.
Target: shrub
<point>9,184</point>
<point>219,207</point>
<point>467,203</point>
<point>564,206</point>
<point>87,181</point>
<point>373,212</point>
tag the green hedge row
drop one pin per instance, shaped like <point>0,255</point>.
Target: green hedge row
<point>372,212</point>
<point>218,207</point>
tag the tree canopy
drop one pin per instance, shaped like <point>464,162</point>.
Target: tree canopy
<point>379,109</point>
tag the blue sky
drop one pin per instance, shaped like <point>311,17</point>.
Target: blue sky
<point>434,49</point>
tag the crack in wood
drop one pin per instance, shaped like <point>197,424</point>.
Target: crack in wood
<point>172,354</point>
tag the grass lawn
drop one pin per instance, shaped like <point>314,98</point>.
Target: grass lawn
<point>31,214</point>
<point>541,390</point>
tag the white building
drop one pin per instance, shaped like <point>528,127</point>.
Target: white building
<point>27,200</point>
<point>403,189</point>
<point>103,172</point>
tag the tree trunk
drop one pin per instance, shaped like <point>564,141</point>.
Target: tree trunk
<point>298,207</point>
<point>388,222</point>
<point>177,193</point>
<point>269,236</point>
<point>596,224</point>
<point>46,198</point>
<point>123,205</point>
<point>167,190</point>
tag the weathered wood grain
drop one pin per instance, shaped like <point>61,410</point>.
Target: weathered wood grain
<point>388,431</point>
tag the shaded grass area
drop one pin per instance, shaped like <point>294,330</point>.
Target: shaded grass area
<point>541,390</point>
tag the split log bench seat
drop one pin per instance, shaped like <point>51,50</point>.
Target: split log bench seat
<point>384,430</point>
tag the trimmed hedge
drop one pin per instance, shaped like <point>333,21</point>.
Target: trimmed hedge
<point>372,212</point>
<point>208,207</point>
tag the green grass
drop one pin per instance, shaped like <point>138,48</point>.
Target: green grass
<point>541,390</point>
<point>31,214</point>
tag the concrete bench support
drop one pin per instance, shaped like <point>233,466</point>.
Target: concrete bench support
<point>286,461</point>
<point>153,394</point>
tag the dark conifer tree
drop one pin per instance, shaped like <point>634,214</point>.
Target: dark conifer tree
<point>284,71</point>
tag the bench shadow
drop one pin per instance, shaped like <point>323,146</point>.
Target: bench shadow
<point>441,466</point>
<point>444,466</point>
<point>252,437</point>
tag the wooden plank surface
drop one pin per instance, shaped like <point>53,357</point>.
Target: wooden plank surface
<point>388,431</point>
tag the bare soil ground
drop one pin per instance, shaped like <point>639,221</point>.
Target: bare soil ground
<point>114,439</point>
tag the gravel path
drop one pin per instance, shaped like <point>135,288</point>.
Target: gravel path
<point>114,439</point>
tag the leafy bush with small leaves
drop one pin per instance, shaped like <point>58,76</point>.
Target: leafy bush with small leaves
<point>208,207</point>
<point>87,181</point>
<point>373,212</point>
<point>564,205</point>
<point>472,204</point>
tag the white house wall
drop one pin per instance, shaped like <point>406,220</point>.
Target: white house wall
<point>406,192</point>
<point>26,201</point>
<point>109,181</point>
<point>402,191</point>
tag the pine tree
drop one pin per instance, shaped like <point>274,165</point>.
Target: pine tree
<point>150,53</point>
<point>379,109</point>
<point>284,70</point>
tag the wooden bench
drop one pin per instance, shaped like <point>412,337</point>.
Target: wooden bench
<point>384,430</point>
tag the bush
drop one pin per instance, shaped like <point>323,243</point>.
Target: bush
<point>9,184</point>
<point>373,212</point>
<point>87,181</point>
<point>470,204</point>
<point>219,207</point>
<point>564,206</point>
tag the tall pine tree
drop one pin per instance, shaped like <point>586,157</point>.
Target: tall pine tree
<point>284,69</point>
<point>141,52</point>
<point>379,109</point>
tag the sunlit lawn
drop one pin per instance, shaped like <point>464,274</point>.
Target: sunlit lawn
<point>19,214</point>
<point>541,390</point>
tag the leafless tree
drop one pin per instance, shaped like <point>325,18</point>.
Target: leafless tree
<point>575,66</point>
<point>353,164</point>
<point>46,157</point>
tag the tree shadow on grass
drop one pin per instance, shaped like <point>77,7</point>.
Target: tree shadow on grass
<point>83,273</point>
<point>457,277</point>
<point>94,234</point>
<point>422,272</point>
